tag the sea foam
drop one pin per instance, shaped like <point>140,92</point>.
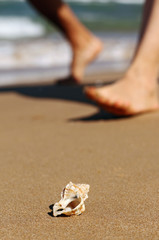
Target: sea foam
<point>86,1</point>
<point>109,1</point>
<point>16,27</point>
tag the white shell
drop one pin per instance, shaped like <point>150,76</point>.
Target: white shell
<point>72,200</point>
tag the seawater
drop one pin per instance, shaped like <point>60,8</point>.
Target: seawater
<point>19,19</point>
<point>28,41</point>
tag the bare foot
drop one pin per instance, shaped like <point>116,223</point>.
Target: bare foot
<point>126,97</point>
<point>82,56</point>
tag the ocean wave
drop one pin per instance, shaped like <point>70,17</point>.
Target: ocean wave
<point>46,59</point>
<point>17,27</point>
<point>109,1</point>
<point>103,1</point>
<point>55,51</point>
<point>101,16</point>
<point>12,0</point>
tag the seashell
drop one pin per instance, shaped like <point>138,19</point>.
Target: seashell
<point>72,200</point>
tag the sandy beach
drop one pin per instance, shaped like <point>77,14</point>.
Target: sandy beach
<point>52,135</point>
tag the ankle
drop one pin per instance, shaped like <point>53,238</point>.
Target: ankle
<point>142,74</point>
<point>82,43</point>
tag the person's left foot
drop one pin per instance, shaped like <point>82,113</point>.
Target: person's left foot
<point>82,56</point>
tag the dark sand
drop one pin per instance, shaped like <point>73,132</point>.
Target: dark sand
<point>52,135</point>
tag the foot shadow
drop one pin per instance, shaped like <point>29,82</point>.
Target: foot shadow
<point>98,116</point>
<point>67,93</point>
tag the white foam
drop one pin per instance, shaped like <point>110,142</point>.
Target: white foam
<point>17,27</point>
<point>48,52</point>
<point>12,0</point>
<point>129,1</point>
<point>109,1</point>
<point>104,1</point>
<point>43,59</point>
<point>34,53</point>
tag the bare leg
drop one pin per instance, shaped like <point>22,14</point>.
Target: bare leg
<point>146,16</point>
<point>136,92</point>
<point>84,44</point>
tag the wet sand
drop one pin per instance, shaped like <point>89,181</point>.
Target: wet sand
<point>53,135</point>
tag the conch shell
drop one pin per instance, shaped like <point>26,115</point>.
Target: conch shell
<point>72,200</point>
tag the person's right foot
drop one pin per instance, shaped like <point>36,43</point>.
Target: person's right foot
<point>125,97</point>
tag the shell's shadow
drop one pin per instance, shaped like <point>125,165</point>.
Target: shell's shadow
<point>51,213</point>
<point>51,208</point>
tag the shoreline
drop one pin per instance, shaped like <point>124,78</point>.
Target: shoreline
<point>33,76</point>
<point>46,59</point>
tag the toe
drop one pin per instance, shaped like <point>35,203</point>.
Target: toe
<point>116,107</point>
